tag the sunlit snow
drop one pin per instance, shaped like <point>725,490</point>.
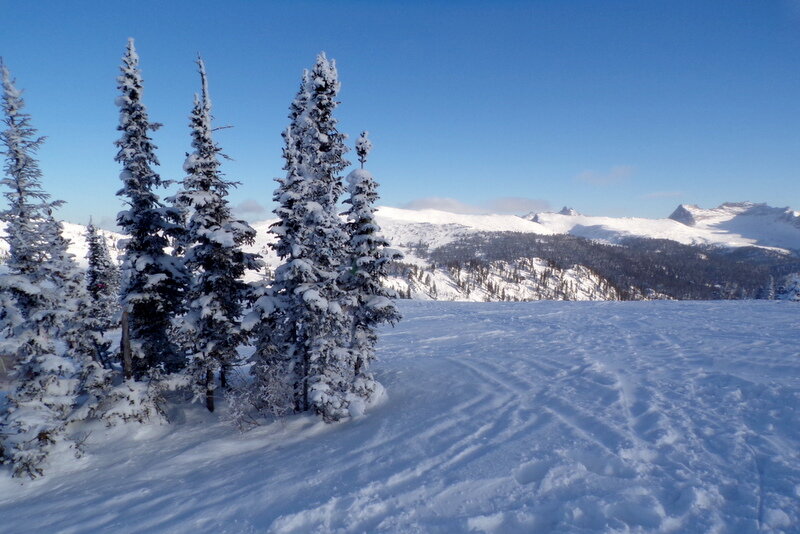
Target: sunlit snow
<point>503,418</point>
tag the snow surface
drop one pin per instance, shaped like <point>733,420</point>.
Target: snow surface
<point>503,418</point>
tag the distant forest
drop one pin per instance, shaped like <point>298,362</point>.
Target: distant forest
<point>637,267</point>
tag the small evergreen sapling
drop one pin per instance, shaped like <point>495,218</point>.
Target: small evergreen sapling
<point>96,312</point>
<point>363,147</point>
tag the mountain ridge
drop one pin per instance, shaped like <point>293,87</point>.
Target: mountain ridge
<point>731,224</point>
<point>737,226</point>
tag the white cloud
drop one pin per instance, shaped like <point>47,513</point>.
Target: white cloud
<point>442,204</point>
<point>107,223</point>
<point>249,206</point>
<point>520,205</point>
<point>616,175</point>
<point>516,205</point>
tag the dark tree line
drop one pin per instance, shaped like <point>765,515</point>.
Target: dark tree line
<point>637,267</point>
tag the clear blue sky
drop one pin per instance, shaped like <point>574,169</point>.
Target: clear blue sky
<point>614,107</point>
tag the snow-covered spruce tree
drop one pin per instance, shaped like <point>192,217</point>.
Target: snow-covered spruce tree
<point>60,267</point>
<point>279,375</point>
<point>310,326</point>
<point>370,258</point>
<point>279,379</point>
<point>213,256</point>
<point>76,328</point>
<point>97,313</point>
<point>322,159</point>
<point>102,282</point>
<point>153,281</point>
<point>45,379</point>
<point>10,316</point>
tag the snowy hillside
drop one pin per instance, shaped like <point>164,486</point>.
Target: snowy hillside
<point>413,232</point>
<point>759,224</point>
<point>76,233</point>
<point>435,228</point>
<point>523,280</point>
<point>500,418</point>
<point>406,229</point>
<point>418,232</point>
<point>730,225</point>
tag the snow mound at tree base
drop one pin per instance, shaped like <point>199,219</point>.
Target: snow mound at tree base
<point>501,418</point>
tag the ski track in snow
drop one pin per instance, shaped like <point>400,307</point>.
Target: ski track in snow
<point>501,418</point>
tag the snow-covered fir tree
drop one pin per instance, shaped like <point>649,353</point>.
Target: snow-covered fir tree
<point>213,256</point>
<point>309,325</point>
<point>10,316</point>
<point>37,279</point>
<point>98,314</point>
<point>102,282</point>
<point>370,258</point>
<point>92,312</point>
<point>60,267</point>
<point>77,328</point>
<point>278,371</point>
<point>153,281</point>
<point>279,384</point>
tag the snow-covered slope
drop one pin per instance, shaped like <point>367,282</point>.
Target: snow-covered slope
<point>415,232</point>
<point>524,279</point>
<point>729,225</point>
<point>76,233</point>
<point>758,224</point>
<point>435,228</point>
<point>500,418</point>
<point>408,230</point>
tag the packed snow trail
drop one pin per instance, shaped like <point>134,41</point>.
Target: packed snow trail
<point>501,418</point>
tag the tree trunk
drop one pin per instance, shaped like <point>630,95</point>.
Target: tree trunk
<point>210,390</point>
<point>223,376</point>
<point>305,380</point>
<point>127,372</point>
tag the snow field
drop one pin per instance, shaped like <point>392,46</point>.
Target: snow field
<point>501,418</point>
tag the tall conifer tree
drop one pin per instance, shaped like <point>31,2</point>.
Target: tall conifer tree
<point>213,256</point>
<point>279,375</point>
<point>38,281</point>
<point>308,328</point>
<point>370,257</point>
<point>153,281</point>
